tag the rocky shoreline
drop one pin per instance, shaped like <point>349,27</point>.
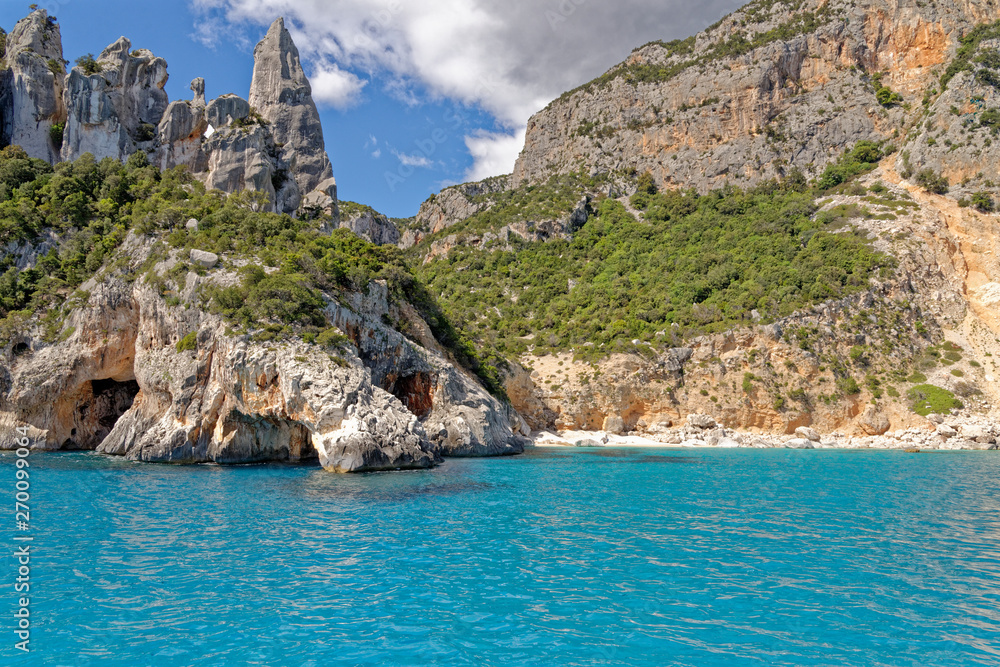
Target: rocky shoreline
<point>951,432</point>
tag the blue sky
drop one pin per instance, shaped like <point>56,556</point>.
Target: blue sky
<point>414,95</point>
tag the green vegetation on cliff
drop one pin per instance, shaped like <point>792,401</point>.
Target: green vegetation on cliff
<point>694,264</point>
<point>84,210</point>
<point>678,54</point>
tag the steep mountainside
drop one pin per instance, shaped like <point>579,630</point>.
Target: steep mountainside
<point>775,86</point>
<point>761,233</point>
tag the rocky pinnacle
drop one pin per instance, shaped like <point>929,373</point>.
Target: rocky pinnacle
<point>281,94</point>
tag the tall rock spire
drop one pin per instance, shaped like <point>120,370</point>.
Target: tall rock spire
<point>281,94</point>
<point>31,86</point>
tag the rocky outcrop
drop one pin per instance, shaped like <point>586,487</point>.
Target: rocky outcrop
<point>115,110</point>
<point>31,87</point>
<point>460,417</point>
<point>116,105</point>
<point>281,94</point>
<point>772,87</point>
<point>155,380</point>
<point>368,223</point>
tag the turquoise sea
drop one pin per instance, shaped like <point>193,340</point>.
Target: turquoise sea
<point>557,557</point>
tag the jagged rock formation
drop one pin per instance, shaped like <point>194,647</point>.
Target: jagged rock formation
<point>31,86</point>
<point>117,105</point>
<point>114,112</point>
<point>774,86</point>
<point>280,92</point>
<point>368,223</point>
<point>136,376</point>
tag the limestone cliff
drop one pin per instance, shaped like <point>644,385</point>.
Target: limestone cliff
<point>772,87</point>
<point>775,89</point>
<point>138,375</point>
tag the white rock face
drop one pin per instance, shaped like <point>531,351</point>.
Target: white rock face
<point>116,111</point>
<point>31,88</point>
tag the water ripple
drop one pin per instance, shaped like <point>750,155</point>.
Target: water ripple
<point>582,557</point>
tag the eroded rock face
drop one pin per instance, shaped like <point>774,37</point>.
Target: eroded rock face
<point>369,224</point>
<point>117,110</point>
<point>140,378</point>
<point>31,86</point>
<point>460,417</point>
<point>708,112</point>
<point>281,93</point>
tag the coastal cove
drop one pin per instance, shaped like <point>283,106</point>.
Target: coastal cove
<point>559,556</point>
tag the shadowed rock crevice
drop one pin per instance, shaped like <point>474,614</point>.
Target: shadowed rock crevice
<point>416,392</point>
<point>101,404</point>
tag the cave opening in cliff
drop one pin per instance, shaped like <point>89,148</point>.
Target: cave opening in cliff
<point>416,392</point>
<point>102,403</point>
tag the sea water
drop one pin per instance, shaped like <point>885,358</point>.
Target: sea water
<point>557,557</point>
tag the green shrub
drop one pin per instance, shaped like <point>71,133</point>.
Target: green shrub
<point>189,342</point>
<point>848,386</point>
<point>982,201</point>
<point>917,378</point>
<point>927,399</point>
<point>931,181</point>
<point>858,354</point>
<point>332,338</point>
<point>88,64</point>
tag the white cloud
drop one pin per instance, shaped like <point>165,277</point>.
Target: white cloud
<point>377,153</point>
<point>507,58</point>
<point>413,160</point>
<point>493,153</point>
<point>336,87</point>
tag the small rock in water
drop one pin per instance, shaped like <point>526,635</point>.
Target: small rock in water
<point>587,443</point>
<point>800,443</point>
<point>912,450</point>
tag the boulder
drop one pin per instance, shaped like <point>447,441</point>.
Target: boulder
<point>702,422</point>
<point>808,433</point>
<point>205,260</point>
<point>191,225</point>
<point>946,431</point>
<point>977,433</point>
<point>613,424</point>
<point>873,421</point>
